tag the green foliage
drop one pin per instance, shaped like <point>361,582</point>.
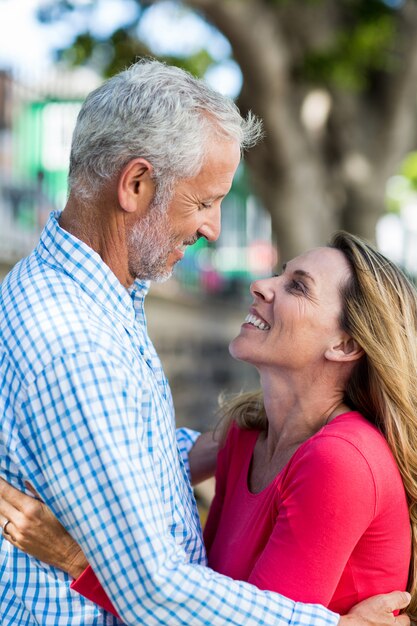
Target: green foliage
<point>109,56</point>
<point>122,48</point>
<point>359,50</point>
<point>361,46</point>
<point>403,186</point>
<point>397,194</point>
<point>409,169</point>
<point>198,63</point>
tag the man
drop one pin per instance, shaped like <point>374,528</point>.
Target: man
<point>87,412</point>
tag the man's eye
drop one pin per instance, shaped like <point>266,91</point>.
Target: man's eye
<point>206,205</point>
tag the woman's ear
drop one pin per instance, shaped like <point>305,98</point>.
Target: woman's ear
<point>345,349</point>
<point>136,187</point>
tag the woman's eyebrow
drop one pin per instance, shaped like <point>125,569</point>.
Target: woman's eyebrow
<point>302,273</point>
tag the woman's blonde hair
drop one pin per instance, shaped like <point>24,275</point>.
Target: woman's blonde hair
<point>379,311</point>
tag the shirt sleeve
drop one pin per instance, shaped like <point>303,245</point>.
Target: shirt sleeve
<point>186,438</point>
<point>84,423</point>
<point>328,501</point>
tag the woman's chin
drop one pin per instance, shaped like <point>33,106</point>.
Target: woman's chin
<point>237,351</point>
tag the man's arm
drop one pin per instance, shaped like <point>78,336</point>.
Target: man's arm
<point>84,442</point>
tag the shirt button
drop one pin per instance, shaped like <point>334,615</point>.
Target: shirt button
<point>142,350</point>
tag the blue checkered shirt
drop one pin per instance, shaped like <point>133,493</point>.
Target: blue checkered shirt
<point>87,418</point>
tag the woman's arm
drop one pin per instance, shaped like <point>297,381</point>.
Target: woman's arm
<point>33,528</point>
<point>202,457</point>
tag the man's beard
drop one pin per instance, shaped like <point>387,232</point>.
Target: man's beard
<point>151,241</point>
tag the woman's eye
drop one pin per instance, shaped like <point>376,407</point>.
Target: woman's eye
<point>296,285</point>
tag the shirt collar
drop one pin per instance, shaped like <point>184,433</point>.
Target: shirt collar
<point>61,250</point>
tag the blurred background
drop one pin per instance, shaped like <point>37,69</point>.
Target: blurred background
<point>335,82</point>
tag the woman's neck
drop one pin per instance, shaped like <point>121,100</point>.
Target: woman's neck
<point>297,408</point>
<point>295,413</point>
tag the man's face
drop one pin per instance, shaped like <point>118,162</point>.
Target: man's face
<point>159,239</point>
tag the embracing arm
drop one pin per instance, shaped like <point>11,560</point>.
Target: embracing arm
<point>31,520</point>
<point>30,526</point>
<point>34,529</point>
<point>106,493</point>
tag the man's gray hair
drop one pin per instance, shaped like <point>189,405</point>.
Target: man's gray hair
<point>154,111</point>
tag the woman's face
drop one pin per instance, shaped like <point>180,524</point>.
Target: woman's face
<point>294,318</point>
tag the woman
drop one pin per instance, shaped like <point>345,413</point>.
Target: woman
<point>316,482</point>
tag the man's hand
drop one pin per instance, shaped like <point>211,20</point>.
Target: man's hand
<point>31,527</point>
<point>378,611</point>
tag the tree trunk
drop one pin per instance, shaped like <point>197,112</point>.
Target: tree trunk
<point>309,191</point>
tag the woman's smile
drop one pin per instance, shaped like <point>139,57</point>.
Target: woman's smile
<point>255,321</point>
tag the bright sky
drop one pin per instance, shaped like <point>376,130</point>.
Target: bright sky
<point>23,41</point>
<point>25,44</point>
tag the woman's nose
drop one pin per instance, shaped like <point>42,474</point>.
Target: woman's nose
<point>262,289</point>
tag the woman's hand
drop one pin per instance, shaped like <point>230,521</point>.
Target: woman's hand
<point>28,524</point>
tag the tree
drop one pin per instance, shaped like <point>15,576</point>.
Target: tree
<point>335,84</point>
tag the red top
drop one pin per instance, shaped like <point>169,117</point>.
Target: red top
<point>331,528</point>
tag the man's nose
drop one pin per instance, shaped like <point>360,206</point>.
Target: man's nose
<point>211,226</point>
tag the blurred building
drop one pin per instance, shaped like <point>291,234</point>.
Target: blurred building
<point>37,117</point>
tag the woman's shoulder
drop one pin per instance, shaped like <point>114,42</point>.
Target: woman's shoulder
<point>356,430</point>
<point>351,441</point>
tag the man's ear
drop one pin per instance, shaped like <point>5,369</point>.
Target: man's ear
<point>344,349</point>
<point>136,187</point>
